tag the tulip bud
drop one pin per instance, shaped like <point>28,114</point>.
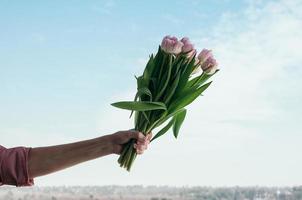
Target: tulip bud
<point>188,46</point>
<point>171,45</point>
<point>209,66</point>
<point>204,55</point>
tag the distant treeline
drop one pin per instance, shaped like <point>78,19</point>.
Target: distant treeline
<point>138,192</point>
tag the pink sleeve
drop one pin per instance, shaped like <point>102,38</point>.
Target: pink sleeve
<point>14,166</point>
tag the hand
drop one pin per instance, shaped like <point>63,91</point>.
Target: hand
<point>121,137</point>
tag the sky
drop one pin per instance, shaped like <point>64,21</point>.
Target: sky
<point>63,62</point>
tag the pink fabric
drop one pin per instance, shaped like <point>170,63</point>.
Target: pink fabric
<point>14,166</point>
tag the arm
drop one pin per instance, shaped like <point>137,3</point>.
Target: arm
<point>45,160</point>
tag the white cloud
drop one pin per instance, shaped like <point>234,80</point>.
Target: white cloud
<point>254,58</point>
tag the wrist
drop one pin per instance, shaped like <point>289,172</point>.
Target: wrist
<point>106,145</point>
<point>114,145</point>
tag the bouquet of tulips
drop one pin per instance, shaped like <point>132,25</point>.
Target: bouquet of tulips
<point>173,78</point>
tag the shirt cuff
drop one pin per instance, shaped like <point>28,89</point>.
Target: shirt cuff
<point>14,167</point>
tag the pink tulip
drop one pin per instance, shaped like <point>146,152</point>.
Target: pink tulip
<point>209,66</point>
<point>204,55</point>
<point>188,46</point>
<point>171,45</point>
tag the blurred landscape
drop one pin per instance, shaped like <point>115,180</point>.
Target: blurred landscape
<point>150,193</point>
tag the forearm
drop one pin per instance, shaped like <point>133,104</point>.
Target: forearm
<point>45,160</point>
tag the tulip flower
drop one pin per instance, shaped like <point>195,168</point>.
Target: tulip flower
<point>204,55</point>
<point>209,66</point>
<point>188,46</point>
<point>171,45</point>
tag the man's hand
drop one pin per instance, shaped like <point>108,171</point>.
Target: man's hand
<point>121,137</point>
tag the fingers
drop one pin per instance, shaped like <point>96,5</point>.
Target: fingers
<point>142,141</point>
<point>149,136</point>
<point>140,148</point>
<point>142,144</point>
<point>120,138</point>
<point>139,136</point>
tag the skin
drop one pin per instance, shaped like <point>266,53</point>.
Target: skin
<point>46,160</point>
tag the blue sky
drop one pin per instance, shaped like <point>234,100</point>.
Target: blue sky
<point>63,62</point>
<point>54,52</point>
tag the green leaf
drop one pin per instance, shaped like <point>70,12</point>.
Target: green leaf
<point>177,64</point>
<point>166,78</point>
<point>165,116</point>
<point>163,130</point>
<point>195,80</point>
<point>146,91</point>
<point>149,68</point>
<point>135,99</point>
<point>199,80</point>
<point>140,82</point>
<point>152,84</point>
<point>179,118</point>
<point>140,94</point>
<point>140,105</point>
<point>172,89</point>
<point>161,67</point>
<point>186,70</point>
<point>188,97</point>
<point>146,117</point>
<point>136,117</point>
<point>157,61</point>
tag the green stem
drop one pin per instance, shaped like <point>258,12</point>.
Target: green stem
<point>124,164</point>
<point>131,160</point>
<point>128,155</point>
<point>124,151</point>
